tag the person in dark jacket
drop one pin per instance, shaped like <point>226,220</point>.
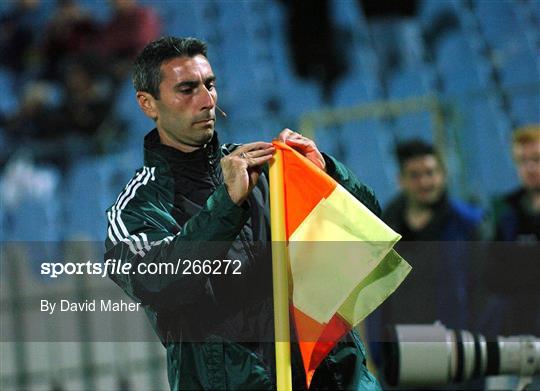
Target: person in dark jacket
<point>512,270</point>
<point>434,229</point>
<point>196,200</point>
<point>517,213</point>
<point>424,211</point>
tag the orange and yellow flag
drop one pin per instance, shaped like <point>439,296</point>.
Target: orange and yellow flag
<point>340,255</point>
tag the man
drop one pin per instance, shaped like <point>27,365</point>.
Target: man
<point>517,214</point>
<point>511,273</point>
<point>424,211</point>
<point>198,200</point>
<point>434,228</point>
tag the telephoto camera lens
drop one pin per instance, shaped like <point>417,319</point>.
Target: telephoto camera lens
<point>430,355</point>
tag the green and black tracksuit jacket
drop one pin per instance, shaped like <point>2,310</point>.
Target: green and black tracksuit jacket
<point>217,329</point>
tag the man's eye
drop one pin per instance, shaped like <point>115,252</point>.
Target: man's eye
<point>186,91</point>
<point>211,86</point>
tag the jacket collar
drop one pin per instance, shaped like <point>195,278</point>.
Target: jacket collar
<point>155,152</point>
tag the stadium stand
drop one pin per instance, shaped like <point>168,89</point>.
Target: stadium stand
<point>480,76</point>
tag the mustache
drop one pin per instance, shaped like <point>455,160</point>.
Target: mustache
<point>205,118</point>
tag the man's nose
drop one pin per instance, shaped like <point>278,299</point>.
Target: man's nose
<point>424,180</point>
<point>208,98</point>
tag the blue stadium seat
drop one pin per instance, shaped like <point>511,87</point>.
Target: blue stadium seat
<point>179,19</point>
<point>92,186</point>
<point>410,37</point>
<point>9,102</point>
<point>499,23</point>
<point>414,125</point>
<point>30,205</point>
<point>232,15</point>
<point>528,21</point>
<point>357,89</point>
<point>368,147</point>
<point>535,8</point>
<point>456,63</point>
<point>411,82</point>
<point>34,220</point>
<point>137,122</point>
<point>348,16</point>
<point>328,140</point>
<point>246,99</point>
<point>525,108</point>
<point>429,9</point>
<point>519,68</point>
<point>300,97</point>
<point>86,218</point>
<point>347,13</point>
<point>485,138</point>
<point>250,130</point>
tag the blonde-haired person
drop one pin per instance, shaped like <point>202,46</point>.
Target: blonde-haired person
<point>513,302</point>
<point>517,213</point>
<point>526,152</point>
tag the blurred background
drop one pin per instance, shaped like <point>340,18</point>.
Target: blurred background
<point>358,76</point>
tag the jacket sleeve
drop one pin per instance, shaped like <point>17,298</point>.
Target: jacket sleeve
<point>138,237</point>
<point>349,181</point>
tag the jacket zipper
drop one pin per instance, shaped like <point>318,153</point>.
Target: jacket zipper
<point>213,175</point>
<point>217,181</point>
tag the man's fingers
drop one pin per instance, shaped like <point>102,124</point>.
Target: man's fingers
<point>257,161</point>
<point>304,145</point>
<point>298,141</point>
<point>252,151</point>
<point>285,134</point>
<point>289,137</point>
<point>259,152</point>
<point>253,147</point>
<point>301,143</point>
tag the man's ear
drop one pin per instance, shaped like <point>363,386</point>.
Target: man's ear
<point>147,103</point>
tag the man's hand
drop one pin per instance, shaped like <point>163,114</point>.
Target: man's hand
<point>241,169</point>
<point>303,145</point>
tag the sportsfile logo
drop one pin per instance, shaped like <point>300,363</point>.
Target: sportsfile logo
<point>114,266</point>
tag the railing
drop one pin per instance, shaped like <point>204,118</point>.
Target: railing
<point>450,119</point>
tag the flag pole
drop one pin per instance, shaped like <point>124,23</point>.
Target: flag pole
<point>280,274</point>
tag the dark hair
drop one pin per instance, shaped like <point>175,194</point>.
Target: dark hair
<point>415,148</point>
<point>146,70</point>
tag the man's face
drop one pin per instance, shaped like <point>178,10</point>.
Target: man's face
<point>185,110</point>
<point>423,180</point>
<point>527,158</point>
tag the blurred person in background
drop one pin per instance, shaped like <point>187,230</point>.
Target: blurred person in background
<point>512,268</point>
<point>33,121</point>
<point>87,100</point>
<point>58,126</point>
<point>316,43</point>
<point>19,30</point>
<point>434,227</point>
<point>125,35</point>
<point>424,210</point>
<point>32,118</point>
<point>517,214</point>
<point>70,32</point>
